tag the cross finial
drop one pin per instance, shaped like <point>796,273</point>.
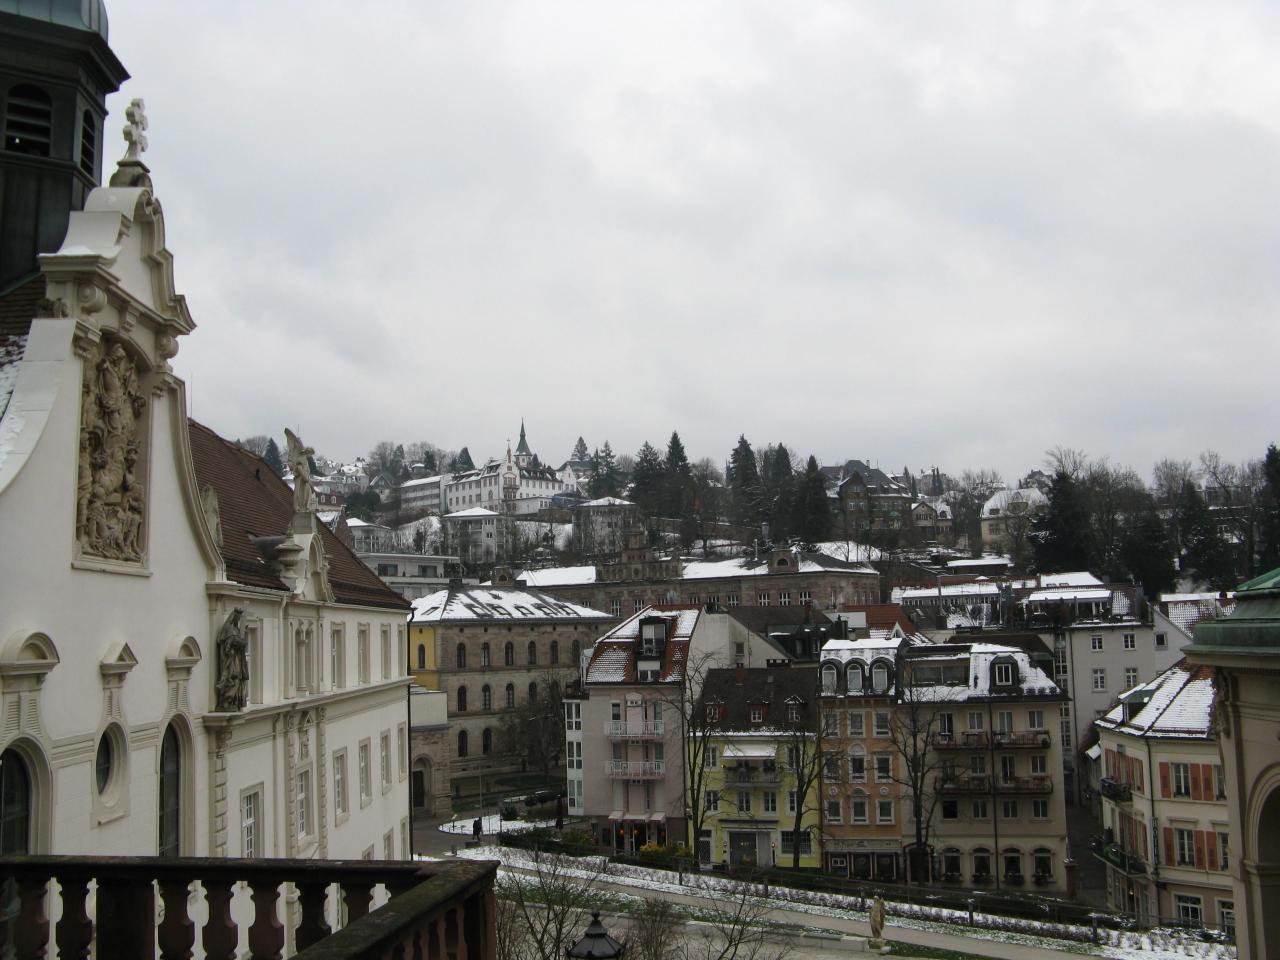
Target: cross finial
<point>136,115</point>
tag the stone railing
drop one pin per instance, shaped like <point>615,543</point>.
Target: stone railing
<point>634,729</point>
<point>434,910</point>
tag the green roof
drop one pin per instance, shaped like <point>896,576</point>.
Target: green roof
<point>87,15</point>
<point>523,446</point>
<point>1252,629</point>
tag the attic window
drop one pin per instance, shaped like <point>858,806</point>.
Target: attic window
<point>28,121</point>
<point>757,714</point>
<point>1004,674</point>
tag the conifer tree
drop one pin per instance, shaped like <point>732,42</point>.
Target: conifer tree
<point>778,484</point>
<point>744,483</point>
<point>677,479</point>
<point>580,450</point>
<point>1146,554</point>
<point>1269,522</point>
<point>604,473</point>
<point>646,479</point>
<point>1059,535</point>
<point>272,456</point>
<point>1205,555</point>
<point>811,514</point>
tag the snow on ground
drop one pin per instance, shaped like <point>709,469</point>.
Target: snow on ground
<point>1068,938</point>
<point>493,823</point>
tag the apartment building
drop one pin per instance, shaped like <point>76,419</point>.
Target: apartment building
<point>1165,818</point>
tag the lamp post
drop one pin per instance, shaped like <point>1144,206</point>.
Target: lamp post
<point>596,944</point>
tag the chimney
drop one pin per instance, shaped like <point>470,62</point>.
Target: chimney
<point>455,583</point>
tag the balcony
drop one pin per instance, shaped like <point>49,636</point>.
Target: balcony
<point>757,776</point>
<point>1115,790</point>
<point>969,740</point>
<point>1022,738</point>
<point>1116,856</point>
<point>1037,783</point>
<point>635,769</point>
<point>965,783</point>
<point>634,729</point>
<point>432,908</point>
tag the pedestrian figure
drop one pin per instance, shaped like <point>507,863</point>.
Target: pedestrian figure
<point>559,814</point>
<point>475,829</point>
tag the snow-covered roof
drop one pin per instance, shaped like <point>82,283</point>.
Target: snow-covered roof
<point>847,550</point>
<point>421,481</point>
<point>1078,578</point>
<point>746,751</point>
<point>749,566</point>
<point>978,562</point>
<point>558,576</point>
<point>472,513</point>
<point>1187,610</point>
<point>607,502</point>
<point>613,659</point>
<point>1176,704</point>
<point>980,588</point>
<point>1028,497</point>
<point>498,603</point>
<point>1069,593</point>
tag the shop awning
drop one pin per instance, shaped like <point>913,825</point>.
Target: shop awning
<point>1094,752</point>
<point>635,816</point>
<point>615,815</point>
<point>657,818</point>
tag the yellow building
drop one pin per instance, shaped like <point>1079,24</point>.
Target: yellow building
<point>759,767</point>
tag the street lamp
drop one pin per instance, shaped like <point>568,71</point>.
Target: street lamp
<point>596,944</point>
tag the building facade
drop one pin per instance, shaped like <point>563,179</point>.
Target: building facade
<point>1166,837</point>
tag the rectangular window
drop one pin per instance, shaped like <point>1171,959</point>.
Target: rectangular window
<point>1130,677</point>
<point>1181,779</point>
<point>1161,641</point>
<point>711,800</point>
<point>1040,809</point>
<point>884,768</point>
<point>339,782</point>
<point>757,714</point>
<point>250,824</point>
<point>615,608</point>
<point>805,596</point>
<point>978,764</point>
<point>830,722</point>
<point>744,801</point>
<point>1095,644</point>
<point>784,598</point>
<point>388,665</point>
<point>1099,678</point>
<point>1004,674</point>
<point>1009,809</point>
<point>858,768</point>
<point>254,657</point>
<point>763,599</point>
<point>769,802</point>
<point>788,843</point>
<point>975,720</point>
<point>302,803</point>
<point>366,775</point>
<point>1190,909</point>
<point>362,651</point>
<point>337,659</point>
<point>1224,861</point>
<point>884,811</point>
<point>950,810</point>
<point>1186,850</point>
<point>834,811</point>
<point>1008,768</point>
<point>1035,719</point>
<point>1039,764</point>
<point>858,810</point>
<point>710,757</point>
<point>573,715</point>
<point>384,751</point>
<point>882,723</point>
<point>402,755</point>
<point>791,801</point>
<point>857,724</point>
<point>388,846</point>
<point>639,605</point>
<point>573,754</point>
<point>1004,721</point>
<point>1219,786</point>
<point>732,600</point>
<point>979,810</point>
<point>1130,641</point>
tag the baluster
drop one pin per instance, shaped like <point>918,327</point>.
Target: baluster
<point>177,930</point>
<point>452,937</point>
<point>221,936</point>
<point>312,895</point>
<point>435,939</point>
<point>75,930</point>
<point>31,928</point>
<point>415,947</point>
<point>356,895</point>
<point>126,918</point>
<point>266,936</point>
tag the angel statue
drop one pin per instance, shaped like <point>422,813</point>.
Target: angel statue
<point>304,496</point>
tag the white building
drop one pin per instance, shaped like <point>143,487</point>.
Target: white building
<point>422,496</point>
<point>512,485</point>
<point>140,551</point>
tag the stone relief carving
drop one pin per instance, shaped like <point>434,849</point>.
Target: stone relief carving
<point>233,664</point>
<point>304,496</point>
<point>110,498</point>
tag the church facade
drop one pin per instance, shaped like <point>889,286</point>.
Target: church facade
<point>190,663</point>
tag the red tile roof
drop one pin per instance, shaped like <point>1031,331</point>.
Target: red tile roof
<point>882,616</point>
<point>254,502</point>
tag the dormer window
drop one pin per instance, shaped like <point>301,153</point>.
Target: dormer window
<point>1004,674</point>
<point>653,637</point>
<point>757,714</point>
<point>880,677</point>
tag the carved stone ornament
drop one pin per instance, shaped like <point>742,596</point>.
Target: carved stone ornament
<point>110,495</point>
<point>233,664</point>
<point>304,496</point>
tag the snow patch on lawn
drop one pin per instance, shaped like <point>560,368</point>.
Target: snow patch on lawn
<point>493,823</point>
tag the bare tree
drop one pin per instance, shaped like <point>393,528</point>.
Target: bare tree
<point>1074,463</point>
<point>698,725</point>
<point>802,742</point>
<point>914,731</point>
<point>971,491</point>
<point>654,930</point>
<point>547,906</point>
<point>736,927</point>
<point>1234,494</point>
<point>1113,495</point>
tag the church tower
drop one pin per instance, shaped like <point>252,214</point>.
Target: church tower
<point>523,454</point>
<point>56,71</point>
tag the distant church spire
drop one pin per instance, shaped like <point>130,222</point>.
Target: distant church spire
<point>522,448</point>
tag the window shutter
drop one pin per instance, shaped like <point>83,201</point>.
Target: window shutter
<point>1206,781</point>
<point>1164,782</point>
<point>1143,834</point>
<point>1195,781</point>
<point>1168,843</point>
<point>1199,849</point>
<point>1211,843</point>
<point>1142,787</point>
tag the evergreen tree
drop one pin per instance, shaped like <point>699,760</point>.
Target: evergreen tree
<point>811,514</point>
<point>604,473</point>
<point>646,479</point>
<point>461,462</point>
<point>1269,522</point>
<point>677,479</point>
<point>778,485</point>
<point>744,483</point>
<point>1205,555</point>
<point>1060,535</point>
<point>311,465</point>
<point>580,450</point>
<point>1146,554</point>
<point>272,456</point>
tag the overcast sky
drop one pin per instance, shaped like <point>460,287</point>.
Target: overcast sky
<point>925,234</point>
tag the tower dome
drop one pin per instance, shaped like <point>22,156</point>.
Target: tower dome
<point>89,15</point>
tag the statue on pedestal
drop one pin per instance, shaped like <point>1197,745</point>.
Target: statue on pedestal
<point>233,664</point>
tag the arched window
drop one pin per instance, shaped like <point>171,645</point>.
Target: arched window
<point>533,693</point>
<point>422,656</point>
<point>462,743</point>
<point>509,654</point>
<point>575,652</point>
<point>88,142</point>
<point>461,656</point>
<point>462,699</point>
<point>853,678</point>
<point>28,121</point>
<point>533,653</point>
<point>830,677</point>
<point>554,652</point>
<point>511,695</point>
<point>486,698</point>
<point>1011,861</point>
<point>170,826</point>
<point>486,741</point>
<point>484,654</point>
<point>981,863</point>
<point>15,804</point>
<point>879,677</point>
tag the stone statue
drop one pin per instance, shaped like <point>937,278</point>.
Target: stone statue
<point>304,496</point>
<point>110,497</point>
<point>876,917</point>
<point>233,664</point>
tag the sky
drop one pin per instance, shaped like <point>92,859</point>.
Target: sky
<point>922,234</point>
